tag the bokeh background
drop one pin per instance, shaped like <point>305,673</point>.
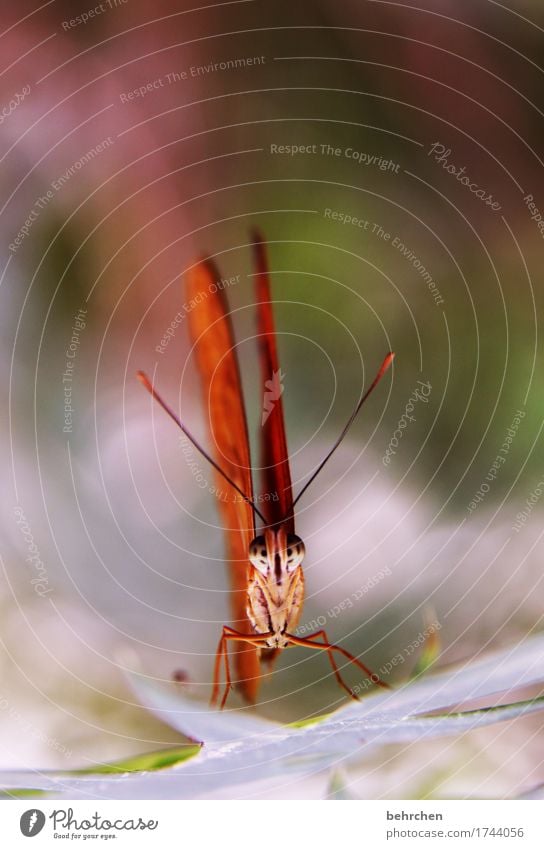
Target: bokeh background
<point>112,551</point>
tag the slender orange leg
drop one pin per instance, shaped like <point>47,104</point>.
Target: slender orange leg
<point>337,675</point>
<point>223,654</point>
<point>219,656</point>
<point>228,682</point>
<point>329,647</point>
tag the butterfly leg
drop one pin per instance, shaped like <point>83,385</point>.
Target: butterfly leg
<point>323,635</point>
<point>330,648</point>
<point>223,655</point>
<point>371,675</point>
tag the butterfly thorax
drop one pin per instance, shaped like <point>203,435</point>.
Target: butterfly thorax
<point>276,585</point>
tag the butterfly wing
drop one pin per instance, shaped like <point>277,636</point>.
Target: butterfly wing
<point>277,489</point>
<point>211,331</point>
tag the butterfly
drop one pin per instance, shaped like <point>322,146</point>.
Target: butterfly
<point>265,566</point>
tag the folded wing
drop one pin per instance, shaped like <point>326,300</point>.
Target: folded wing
<point>278,502</point>
<point>211,331</point>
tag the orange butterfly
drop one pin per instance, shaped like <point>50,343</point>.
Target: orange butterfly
<point>267,582</point>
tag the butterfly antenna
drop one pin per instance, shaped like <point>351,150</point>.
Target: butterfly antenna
<point>383,368</point>
<point>145,381</point>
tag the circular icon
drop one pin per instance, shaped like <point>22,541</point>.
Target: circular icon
<point>32,822</point>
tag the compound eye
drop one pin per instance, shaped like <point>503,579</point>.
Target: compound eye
<point>295,551</point>
<point>257,553</point>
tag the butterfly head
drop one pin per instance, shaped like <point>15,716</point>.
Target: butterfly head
<point>276,585</point>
